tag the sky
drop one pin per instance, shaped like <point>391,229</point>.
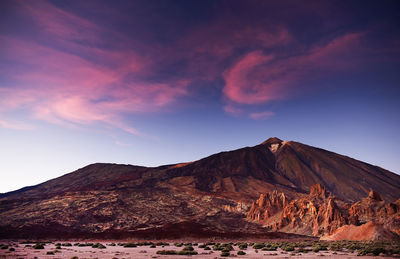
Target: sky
<point>160,82</point>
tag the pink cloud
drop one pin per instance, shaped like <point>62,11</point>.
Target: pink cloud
<point>60,23</point>
<point>78,82</point>
<point>231,109</point>
<point>260,78</point>
<point>261,115</point>
<point>66,89</point>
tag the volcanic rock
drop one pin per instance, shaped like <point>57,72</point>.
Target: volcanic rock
<point>320,215</point>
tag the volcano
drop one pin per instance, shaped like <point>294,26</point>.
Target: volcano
<point>208,197</point>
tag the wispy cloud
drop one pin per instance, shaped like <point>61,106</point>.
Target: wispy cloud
<point>261,115</point>
<point>71,79</point>
<point>260,77</point>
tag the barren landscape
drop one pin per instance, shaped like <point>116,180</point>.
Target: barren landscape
<point>215,249</point>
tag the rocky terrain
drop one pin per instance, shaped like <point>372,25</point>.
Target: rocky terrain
<point>322,214</point>
<point>208,197</point>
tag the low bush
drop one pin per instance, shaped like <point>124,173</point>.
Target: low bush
<point>241,252</point>
<point>270,247</point>
<point>173,252</point>
<point>287,247</point>
<point>259,246</point>
<point>374,250</point>
<point>167,252</point>
<point>303,250</point>
<point>217,248</point>
<point>98,245</point>
<point>12,249</point>
<point>336,246</point>
<point>38,246</point>
<point>225,254</point>
<point>318,247</point>
<point>242,246</point>
<point>188,248</point>
<point>127,245</point>
<point>50,253</point>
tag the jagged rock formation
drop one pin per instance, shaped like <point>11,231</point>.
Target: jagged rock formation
<point>321,214</point>
<point>211,195</point>
<point>313,214</point>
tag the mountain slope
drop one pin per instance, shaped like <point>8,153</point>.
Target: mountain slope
<point>213,194</point>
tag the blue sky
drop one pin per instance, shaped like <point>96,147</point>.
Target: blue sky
<point>152,83</point>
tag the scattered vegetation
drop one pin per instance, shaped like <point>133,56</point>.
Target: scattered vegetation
<point>38,246</point>
<point>167,252</point>
<point>225,254</point>
<point>173,252</point>
<point>98,245</point>
<point>288,247</point>
<point>188,248</point>
<point>361,248</point>
<point>303,250</point>
<point>162,244</point>
<point>242,246</point>
<point>259,246</point>
<point>318,247</point>
<point>129,245</point>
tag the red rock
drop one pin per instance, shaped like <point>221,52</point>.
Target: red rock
<point>320,215</point>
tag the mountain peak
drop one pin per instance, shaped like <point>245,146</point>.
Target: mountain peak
<point>273,144</point>
<point>273,140</point>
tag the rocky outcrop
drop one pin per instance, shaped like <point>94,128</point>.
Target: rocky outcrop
<point>321,214</point>
<point>267,205</point>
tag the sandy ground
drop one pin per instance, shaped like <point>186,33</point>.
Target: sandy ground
<point>145,252</point>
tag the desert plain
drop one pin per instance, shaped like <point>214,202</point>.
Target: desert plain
<point>193,249</point>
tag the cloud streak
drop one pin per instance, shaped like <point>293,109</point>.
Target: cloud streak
<point>258,77</point>
<point>78,84</point>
